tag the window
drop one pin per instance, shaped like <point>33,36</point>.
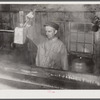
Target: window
<point>81,37</point>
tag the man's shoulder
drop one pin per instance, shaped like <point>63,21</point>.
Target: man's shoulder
<point>60,45</point>
<point>60,42</point>
<point>41,44</point>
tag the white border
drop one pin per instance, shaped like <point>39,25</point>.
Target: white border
<point>26,94</point>
<point>50,2</point>
<point>39,94</point>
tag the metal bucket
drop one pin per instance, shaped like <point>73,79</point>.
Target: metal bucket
<point>79,65</point>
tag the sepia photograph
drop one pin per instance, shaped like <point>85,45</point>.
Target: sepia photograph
<point>49,46</point>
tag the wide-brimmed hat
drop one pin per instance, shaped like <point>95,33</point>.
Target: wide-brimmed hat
<point>52,24</point>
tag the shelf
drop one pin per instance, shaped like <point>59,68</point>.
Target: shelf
<point>2,30</point>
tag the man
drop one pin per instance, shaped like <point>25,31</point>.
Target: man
<point>52,53</point>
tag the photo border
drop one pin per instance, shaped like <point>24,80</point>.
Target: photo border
<point>51,94</point>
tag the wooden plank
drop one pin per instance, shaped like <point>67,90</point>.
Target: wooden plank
<point>8,31</point>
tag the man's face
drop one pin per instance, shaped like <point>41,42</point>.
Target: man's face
<point>50,32</point>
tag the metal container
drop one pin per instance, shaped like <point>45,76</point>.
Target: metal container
<point>79,65</point>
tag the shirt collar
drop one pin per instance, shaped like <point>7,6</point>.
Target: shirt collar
<point>54,39</point>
